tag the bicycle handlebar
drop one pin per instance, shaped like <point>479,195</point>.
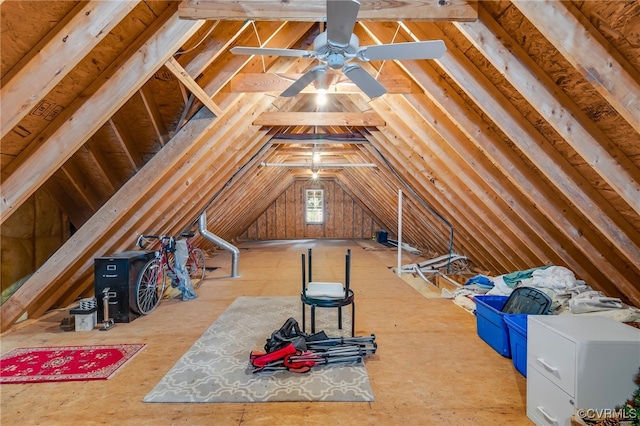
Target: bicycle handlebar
<point>143,240</point>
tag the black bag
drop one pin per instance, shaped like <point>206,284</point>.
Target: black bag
<point>288,333</point>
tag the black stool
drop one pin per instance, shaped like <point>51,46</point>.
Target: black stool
<point>327,295</point>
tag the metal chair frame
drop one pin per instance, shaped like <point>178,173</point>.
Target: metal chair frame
<point>326,302</point>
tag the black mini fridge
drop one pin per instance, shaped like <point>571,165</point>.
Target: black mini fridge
<point>119,272</point>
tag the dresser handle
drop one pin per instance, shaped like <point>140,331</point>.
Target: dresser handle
<point>548,417</point>
<point>548,367</point>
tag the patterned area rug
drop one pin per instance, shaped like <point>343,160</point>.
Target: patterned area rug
<point>217,368</point>
<point>64,363</point>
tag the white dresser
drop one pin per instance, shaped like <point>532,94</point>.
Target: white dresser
<point>576,362</point>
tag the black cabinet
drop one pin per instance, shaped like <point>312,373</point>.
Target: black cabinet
<point>119,272</point>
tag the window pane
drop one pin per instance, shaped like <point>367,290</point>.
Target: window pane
<point>314,206</point>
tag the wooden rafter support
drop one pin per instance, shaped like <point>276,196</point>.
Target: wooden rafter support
<point>315,10</point>
<point>122,136</point>
<point>319,119</point>
<point>48,62</point>
<point>276,82</point>
<point>550,101</point>
<point>79,182</point>
<point>174,66</point>
<point>37,165</point>
<point>153,112</point>
<point>590,53</point>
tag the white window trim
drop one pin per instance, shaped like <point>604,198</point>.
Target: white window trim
<point>306,205</point>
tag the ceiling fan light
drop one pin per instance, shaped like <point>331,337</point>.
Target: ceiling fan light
<point>335,61</point>
<point>321,98</point>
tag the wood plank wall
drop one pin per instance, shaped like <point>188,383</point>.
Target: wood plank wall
<point>284,218</point>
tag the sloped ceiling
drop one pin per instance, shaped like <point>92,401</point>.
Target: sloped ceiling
<point>135,117</point>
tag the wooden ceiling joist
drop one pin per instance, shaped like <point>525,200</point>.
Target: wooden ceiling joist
<point>272,82</point>
<point>315,10</point>
<point>276,119</point>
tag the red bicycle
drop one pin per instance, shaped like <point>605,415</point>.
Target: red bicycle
<point>153,276</point>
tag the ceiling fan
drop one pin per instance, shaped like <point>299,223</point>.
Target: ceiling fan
<point>337,46</point>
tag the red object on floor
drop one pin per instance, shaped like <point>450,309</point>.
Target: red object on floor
<point>64,363</point>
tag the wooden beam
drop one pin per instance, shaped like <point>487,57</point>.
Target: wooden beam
<point>271,34</point>
<point>125,141</point>
<point>78,215</point>
<point>192,86</point>
<point>551,102</point>
<point>315,10</point>
<point>102,163</point>
<point>576,240</point>
<point>319,119</point>
<point>590,53</point>
<point>57,54</point>
<point>273,82</point>
<point>316,139</point>
<point>151,107</point>
<point>78,182</point>
<point>221,36</point>
<point>85,239</point>
<point>418,165</point>
<point>37,164</point>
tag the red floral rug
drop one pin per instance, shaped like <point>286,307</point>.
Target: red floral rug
<point>64,363</point>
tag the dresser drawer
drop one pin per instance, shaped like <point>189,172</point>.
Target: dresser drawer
<point>553,355</point>
<point>547,404</point>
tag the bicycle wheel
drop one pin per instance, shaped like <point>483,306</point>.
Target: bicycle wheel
<point>150,287</point>
<point>196,267</point>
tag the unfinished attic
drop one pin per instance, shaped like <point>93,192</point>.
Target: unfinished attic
<point>504,139</point>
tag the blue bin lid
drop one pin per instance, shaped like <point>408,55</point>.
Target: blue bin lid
<point>527,300</point>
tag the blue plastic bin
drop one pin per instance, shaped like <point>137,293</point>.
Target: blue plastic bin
<point>490,323</point>
<point>517,325</point>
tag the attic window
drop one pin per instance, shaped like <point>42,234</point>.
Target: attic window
<point>314,212</point>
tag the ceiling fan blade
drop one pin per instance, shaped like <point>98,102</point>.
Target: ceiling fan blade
<point>341,18</point>
<point>304,81</point>
<point>413,50</point>
<point>364,81</point>
<point>265,51</point>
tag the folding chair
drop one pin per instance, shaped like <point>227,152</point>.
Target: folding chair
<point>326,295</point>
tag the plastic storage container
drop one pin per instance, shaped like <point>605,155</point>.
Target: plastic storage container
<point>490,323</point>
<point>517,325</point>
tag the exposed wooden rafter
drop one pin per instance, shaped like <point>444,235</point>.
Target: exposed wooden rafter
<point>165,37</point>
<point>565,116</point>
<point>315,10</point>
<point>175,67</point>
<point>25,85</point>
<point>272,82</point>
<point>590,53</point>
<point>318,119</point>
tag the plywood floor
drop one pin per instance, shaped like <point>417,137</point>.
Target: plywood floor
<point>430,368</point>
